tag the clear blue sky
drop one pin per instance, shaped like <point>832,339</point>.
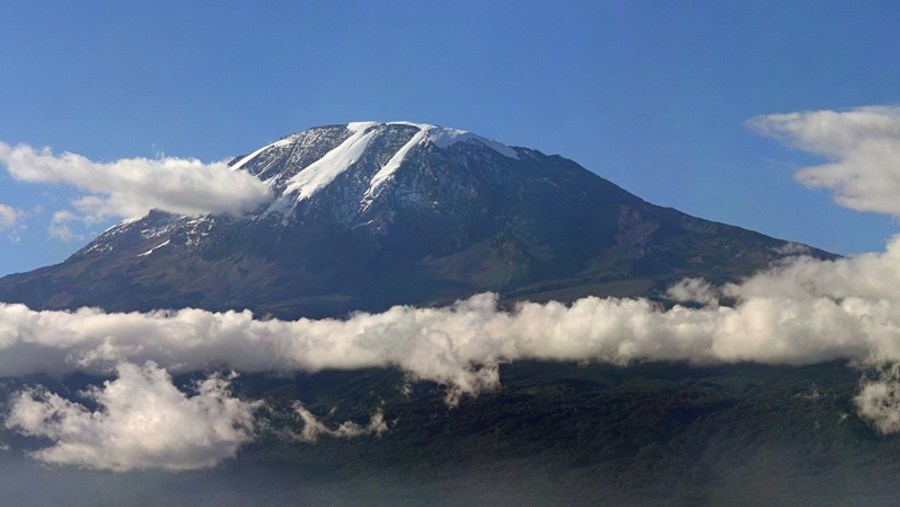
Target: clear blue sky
<point>652,95</point>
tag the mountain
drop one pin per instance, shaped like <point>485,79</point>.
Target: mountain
<point>368,215</point>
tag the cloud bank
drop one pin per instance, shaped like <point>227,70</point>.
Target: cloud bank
<point>801,312</point>
<point>131,187</point>
<point>142,421</point>
<point>460,346</point>
<point>862,145</point>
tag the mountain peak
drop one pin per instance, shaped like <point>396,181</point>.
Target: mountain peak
<point>436,135</point>
<point>298,166</point>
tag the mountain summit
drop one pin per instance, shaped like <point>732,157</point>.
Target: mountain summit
<point>368,215</point>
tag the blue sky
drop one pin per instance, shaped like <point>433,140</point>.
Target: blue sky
<point>654,96</point>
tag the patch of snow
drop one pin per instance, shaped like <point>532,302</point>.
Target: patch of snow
<point>360,126</point>
<point>156,231</point>
<point>99,248</point>
<point>157,247</point>
<point>286,141</point>
<point>123,223</point>
<point>445,137</point>
<point>196,229</point>
<point>323,171</point>
<point>388,170</point>
<point>420,126</point>
<point>282,206</point>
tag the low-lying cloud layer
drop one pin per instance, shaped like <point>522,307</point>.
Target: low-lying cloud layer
<point>801,312</point>
<point>131,187</point>
<point>804,311</point>
<point>459,346</point>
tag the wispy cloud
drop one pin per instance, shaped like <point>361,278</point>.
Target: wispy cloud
<point>862,145</point>
<point>142,421</point>
<point>313,428</point>
<point>131,187</point>
<point>9,216</point>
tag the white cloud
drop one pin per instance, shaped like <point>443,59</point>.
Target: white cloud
<point>142,421</point>
<point>131,187</point>
<point>9,216</point>
<point>313,428</point>
<point>694,290</point>
<point>63,233</point>
<point>871,277</point>
<point>862,145</point>
<point>879,400</point>
<point>460,346</point>
<point>59,228</point>
<point>801,312</point>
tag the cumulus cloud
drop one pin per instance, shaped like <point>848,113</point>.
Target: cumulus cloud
<point>131,187</point>
<point>873,277</point>
<point>862,145</point>
<point>142,421</point>
<point>313,428</point>
<point>879,399</point>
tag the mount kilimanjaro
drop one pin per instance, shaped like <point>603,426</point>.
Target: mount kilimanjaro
<point>369,215</point>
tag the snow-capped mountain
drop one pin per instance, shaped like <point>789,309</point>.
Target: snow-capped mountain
<point>367,215</point>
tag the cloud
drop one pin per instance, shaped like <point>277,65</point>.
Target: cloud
<point>802,311</point>
<point>862,145</point>
<point>9,216</point>
<point>131,187</point>
<point>142,421</point>
<point>460,346</point>
<point>872,277</point>
<point>694,290</point>
<point>879,400</point>
<point>313,428</point>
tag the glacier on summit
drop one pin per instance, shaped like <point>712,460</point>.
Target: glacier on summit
<point>313,172</point>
